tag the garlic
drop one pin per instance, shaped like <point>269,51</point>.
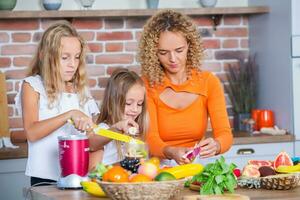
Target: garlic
<point>133,131</point>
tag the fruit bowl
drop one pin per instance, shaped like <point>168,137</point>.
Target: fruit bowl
<point>142,191</point>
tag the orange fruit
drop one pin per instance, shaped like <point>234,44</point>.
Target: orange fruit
<point>140,178</point>
<point>155,161</point>
<point>116,174</point>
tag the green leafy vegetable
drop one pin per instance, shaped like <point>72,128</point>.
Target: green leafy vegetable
<point>99,171</point>
<point>216,178</point>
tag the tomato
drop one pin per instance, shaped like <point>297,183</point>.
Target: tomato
<point>116,174</point>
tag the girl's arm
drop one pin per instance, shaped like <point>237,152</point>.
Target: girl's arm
<point>97,142</point>
<point>95,158</point>
<point>35,129</point>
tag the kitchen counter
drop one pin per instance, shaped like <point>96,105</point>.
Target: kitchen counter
<point>9,153</point>
<point>239,138</point>
<point>52,193</point>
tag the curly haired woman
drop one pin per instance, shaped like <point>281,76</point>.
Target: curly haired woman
<point>180,95</point>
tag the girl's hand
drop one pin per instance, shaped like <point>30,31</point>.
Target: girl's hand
<point>81,121</point>
<point>177,153</point>
<point>124,125</point>
<point>209,147</point>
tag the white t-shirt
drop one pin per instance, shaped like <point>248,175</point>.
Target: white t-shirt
<point>43,157</point>
<point>110,154</point>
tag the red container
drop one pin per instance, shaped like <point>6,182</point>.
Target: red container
<point>266,119</point>
<point>74,155</point>
<point>255,115</point>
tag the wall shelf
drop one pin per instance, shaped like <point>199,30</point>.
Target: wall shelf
<point>131,12</point>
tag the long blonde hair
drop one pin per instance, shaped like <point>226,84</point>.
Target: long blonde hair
<point>114,101</point>
<point>168,20</point>
<point>46,62</point>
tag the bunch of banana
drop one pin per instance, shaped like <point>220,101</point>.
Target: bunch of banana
<point>92,188</point>
<point>288,169</point>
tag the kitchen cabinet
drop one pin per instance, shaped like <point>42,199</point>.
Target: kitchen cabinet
<point>13,179</point>
<point>240,154</point>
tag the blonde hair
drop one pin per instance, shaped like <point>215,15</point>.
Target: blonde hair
<point>114,101</point>
<point>46,62</point>
<point>168,20</point>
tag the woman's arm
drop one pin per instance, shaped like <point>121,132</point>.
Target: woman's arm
<point>35,129</point>
<point>218,115</point>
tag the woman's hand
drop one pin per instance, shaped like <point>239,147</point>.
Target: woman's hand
<point>209,147</point>
<point>177,154</point>
<point>124,125</point>
<point>81,121</point>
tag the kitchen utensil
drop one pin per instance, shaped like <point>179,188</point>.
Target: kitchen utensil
<point>112,135</point>
<point>192,154</point>
<point>255,116</point>
<point>116,136</point>
<point>74,160</point>
<point>216,197</point>
<point>266,119</point>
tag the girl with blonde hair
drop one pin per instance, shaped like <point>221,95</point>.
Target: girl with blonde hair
<point>55,91</point>
<point>123,107</point>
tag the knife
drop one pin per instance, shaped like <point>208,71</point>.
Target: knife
<point>112,134</point>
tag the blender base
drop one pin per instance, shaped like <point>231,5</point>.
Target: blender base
<point>71,181</point>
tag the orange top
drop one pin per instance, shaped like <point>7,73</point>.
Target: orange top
<point>185,127</point>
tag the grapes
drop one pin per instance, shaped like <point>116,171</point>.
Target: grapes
<point>131,163</point>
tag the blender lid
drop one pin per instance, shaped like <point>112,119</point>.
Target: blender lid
<point>73,137</point>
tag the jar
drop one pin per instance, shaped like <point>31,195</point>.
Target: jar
<point>7,5</point>
<point>52,4</point>
<point>208,3</point>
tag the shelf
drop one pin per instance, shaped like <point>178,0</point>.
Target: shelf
<point>131,12</point>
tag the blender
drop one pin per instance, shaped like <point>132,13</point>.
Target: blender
<point>74,161</point>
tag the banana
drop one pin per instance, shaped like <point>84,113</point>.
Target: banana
<point>92,188</point>
<point>182,171</point>
<point>288,169</point>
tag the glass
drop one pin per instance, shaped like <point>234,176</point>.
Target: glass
<point>86,4</point>
<point>134,154</point>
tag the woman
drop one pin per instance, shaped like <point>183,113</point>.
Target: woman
<point>180,96</point>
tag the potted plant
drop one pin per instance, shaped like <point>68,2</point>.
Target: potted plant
<point>242,90</point>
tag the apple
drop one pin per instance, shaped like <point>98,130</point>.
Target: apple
<point>148,169</point>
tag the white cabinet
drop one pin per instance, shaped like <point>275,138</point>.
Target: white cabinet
<point>295,17</point>
<point>240,154</point>
<point>13,179</point>
<point>297,148</point>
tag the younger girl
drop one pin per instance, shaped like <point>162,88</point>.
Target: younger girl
<point>54,91</point>
<point>123,107</point>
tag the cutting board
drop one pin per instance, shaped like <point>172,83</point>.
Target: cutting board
<point>213,197</point>
<point>4,127</point>
<point>216,197</point>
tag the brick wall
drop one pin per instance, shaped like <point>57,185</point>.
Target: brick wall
<point>112,43</point>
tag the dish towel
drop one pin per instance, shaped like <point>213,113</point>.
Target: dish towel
<point>5,142</point>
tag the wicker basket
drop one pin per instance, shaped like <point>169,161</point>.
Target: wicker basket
<point>280,181</point>
<point>142,191</point>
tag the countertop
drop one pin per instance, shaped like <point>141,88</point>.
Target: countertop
<point>239,138</point>
<point>52,193</point>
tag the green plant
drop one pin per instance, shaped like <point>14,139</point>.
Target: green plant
<point>216,178</point>
<point>242,85</point>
